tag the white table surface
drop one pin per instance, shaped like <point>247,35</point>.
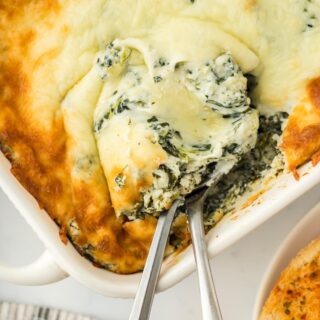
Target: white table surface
<point>237,271</point>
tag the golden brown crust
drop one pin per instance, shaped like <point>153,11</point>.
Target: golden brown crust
<point>23,145</point>
<point>314,93</point>
<point>297,293</point>
<point>301,137</point>
<point>34,139</point>
<point>39,154</point>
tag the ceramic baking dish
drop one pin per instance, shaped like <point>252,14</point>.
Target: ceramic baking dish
<point>59,260</point>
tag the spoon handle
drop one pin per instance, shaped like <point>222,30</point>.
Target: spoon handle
<point>144,298</point>
<point>209,300</point>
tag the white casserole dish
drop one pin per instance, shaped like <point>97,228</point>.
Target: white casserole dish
<point>60,260</point>
<point>302,234</point>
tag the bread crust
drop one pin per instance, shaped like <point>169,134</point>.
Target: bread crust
<point>297,293</point>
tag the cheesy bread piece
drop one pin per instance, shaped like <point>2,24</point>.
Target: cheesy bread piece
<point>297,292</point>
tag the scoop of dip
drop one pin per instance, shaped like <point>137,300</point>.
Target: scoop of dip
<point>162,125</point>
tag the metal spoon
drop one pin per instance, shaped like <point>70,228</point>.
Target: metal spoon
<point>194,203</point>
<point>209,301</point>
<point>144,298</point>
<point>145,294</point>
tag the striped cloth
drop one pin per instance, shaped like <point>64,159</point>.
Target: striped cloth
<point>14,311</point>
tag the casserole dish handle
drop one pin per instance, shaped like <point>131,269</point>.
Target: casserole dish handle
<point>42,271</point>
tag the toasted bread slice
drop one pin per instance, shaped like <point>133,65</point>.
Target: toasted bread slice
<point>297,293</point>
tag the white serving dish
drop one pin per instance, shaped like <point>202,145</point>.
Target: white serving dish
<point>60,260</point>
<point>303,233</point>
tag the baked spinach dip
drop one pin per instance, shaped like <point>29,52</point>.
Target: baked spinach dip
<point>162,127</point>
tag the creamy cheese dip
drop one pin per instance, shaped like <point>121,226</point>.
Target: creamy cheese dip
<point>166,125</point>
<point>127,104</point>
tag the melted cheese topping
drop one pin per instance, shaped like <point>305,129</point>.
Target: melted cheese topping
<point>161,128</point>
<point>52,96</point>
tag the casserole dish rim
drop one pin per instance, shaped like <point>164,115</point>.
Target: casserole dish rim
<point>175,268</point>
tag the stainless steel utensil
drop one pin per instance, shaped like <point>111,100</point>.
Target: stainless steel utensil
<point>194,202</point>
<point>209,301</point>
<point>144,298</point>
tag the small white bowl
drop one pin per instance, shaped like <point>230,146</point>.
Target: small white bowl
<point>303,233</point>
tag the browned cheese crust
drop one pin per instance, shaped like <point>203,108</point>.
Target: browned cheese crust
<point>39,48</point>
<point>33,138</point>
<point>301,138</point>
